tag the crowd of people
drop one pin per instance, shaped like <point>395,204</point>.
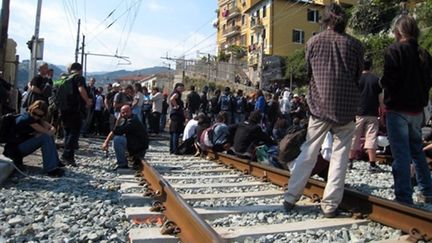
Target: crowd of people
<point>321,136</point>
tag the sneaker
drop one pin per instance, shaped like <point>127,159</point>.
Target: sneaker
<point>288,206</point>
<point>424,199</point>
<point>56,173</point>
<point>330,215</point>
<point>69,161</point>
<point>375,169</point>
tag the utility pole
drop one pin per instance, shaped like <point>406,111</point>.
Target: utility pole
<point>82,50</point>
<point>77,41</point>
<point>35,43</point>
<point>4,32</point>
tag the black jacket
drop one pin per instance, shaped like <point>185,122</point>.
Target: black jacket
<point>136,135</point>
<point>247,136</point>
<point>407,79</point>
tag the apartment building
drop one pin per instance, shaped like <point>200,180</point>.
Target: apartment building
<point>277,26</point>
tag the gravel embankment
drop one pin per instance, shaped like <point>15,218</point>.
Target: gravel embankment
<point>81,206</point>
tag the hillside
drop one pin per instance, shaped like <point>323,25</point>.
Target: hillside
<point>101,77</point>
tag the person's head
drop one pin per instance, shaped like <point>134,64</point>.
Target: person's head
<point>43,69</point>
<point>335,18</point>
<point>50,72</point>
<point>125,111</point>
<point>367,64</point>
<point>38,109</point>
<point>155,90</point>
<point>259,93</point>
<point>179,87</point>
<point>75,68</point>
<point>217,92</point>
<point>138,87</point>
<point>205,89</point>
<point>92,82</point>
<point>129,90</point>
<point>255,117</point>
<point>116,87</point>
<point>240,92</point>
<point>192,88</point>
<point>296,121</point>
<point>405,28</point>
<point>221,117</point>
<point>144,89</point>
<point>227,89</point>
<point>100,89</point>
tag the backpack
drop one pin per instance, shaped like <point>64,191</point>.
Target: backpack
<point>289,146</point>
<point>61,92</point>
<point>207,136</point>
<point>7,127</point>
<point>225,103</point>
<point>240,105</point>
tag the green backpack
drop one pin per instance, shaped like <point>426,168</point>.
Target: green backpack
<point>62,90</point>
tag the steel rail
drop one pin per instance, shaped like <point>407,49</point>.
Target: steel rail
<point>416,222</point>
<point>189,226</point>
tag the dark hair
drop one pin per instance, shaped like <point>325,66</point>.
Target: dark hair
<point>227,89</point>
<point>155,88</point>
<point>75,67</point>
<point>222,117</point>
<point>407,27</point>
<point>217,92</point>
<point>138,87</point>
<point>367,64</point>
<point>178,85</point>
<point>192,88</point>
<point>130,87</point>
<point>240,92</point>
<point>255,117</point>
<point>335,17</point>
<point>259,93</point>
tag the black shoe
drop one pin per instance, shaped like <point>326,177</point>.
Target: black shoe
<point>330,215</point>
<point>69,161</point>
<point>351,164</point>
<point>373,168</point>
<point>56,173</point>
<point>121,167</point>
<point>288,206</point>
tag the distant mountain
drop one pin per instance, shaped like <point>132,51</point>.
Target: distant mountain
<point>101,77</point>
<point>111,76</point>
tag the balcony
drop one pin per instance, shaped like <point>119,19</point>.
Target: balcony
<point>232,13</point>
<point>231,31</point>
<point>256,24</point>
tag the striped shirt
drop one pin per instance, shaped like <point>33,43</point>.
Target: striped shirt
<point>335,63</point>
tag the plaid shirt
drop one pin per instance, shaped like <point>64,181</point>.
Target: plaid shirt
<point>335,63</point>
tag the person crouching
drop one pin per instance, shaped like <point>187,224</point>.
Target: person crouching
<point>128,134</point>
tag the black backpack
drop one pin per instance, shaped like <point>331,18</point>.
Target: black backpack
<point>7,127</point>
<point>289,146</point>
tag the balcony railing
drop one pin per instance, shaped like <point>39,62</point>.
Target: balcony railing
<point>256,24</point>
<point>232,13</point>
<point>231,31</point>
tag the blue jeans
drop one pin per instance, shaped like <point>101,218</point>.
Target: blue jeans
<point>49,151</point>
<point>162,122</point>
<point>404,133</point>
<point>120,147</point>
<point>174,137</point>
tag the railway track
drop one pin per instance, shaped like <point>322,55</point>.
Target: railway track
<point>233,200</point>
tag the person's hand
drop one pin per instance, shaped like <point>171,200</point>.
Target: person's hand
<point>105,146</point>
<point>51,132</point>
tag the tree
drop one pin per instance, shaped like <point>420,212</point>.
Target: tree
<point>296,64</point>
<point>424,14</point>
<point>373,16</point>
<point>375,46</point>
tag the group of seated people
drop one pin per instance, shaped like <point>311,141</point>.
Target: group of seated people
<point>248,140</point>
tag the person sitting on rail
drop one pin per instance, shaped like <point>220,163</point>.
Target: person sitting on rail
<point>204,122</point>
<point>32,133</point>
<point>128,133</point>
<point>215,138</point>
<point>247,135</point>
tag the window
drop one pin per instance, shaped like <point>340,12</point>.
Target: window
<point>298,36</point>
<point>264,11</point>
<point>264,34</point>
<point>252,39</point>
<point>223,27</point>
<point>258,14</point>
<point>313,15</point>
<point>243,19</point>
<point>243,40</point>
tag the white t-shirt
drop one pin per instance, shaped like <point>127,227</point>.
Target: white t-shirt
<point>190,129</point>
<point>99,103</point>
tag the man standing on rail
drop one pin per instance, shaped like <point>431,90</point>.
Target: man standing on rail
<point>335,63</point>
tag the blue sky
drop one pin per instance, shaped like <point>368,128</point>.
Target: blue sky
<point>160,26</point>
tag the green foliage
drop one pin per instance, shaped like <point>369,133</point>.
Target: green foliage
<point>375,46</point>
<point>426,39</point>
<point>424,14</point>
<point>223,57</point>
<point>372,17</point>
<point>296,63</point>
<point>301,90</point>
<point>237,51</point>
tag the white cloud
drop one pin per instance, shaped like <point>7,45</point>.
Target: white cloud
<point>154,6</point>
